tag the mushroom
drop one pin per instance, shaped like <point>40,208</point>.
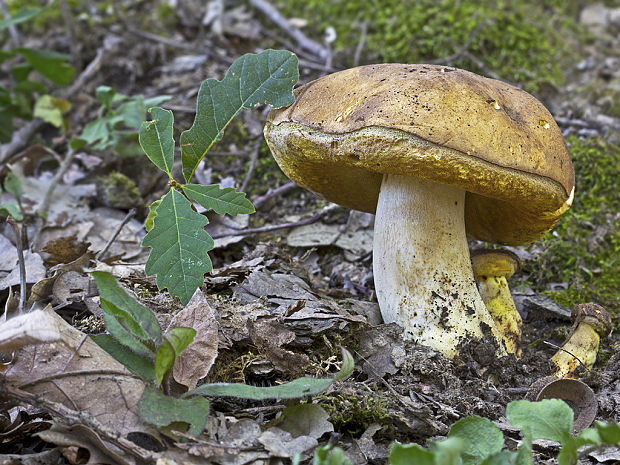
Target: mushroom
<point>492,268</point>
<point>590,323</point>
<point>434,152</point>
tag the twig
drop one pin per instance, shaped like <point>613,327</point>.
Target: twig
<point>22,264</point>
<point>569,353</point>
<point>253,160</point>
<point>275,227</point>
<point>13,33</point>
<point>360,44</point>
<point>64,166</point>
<point>68,19</point>
<point>120,227</point>
<point>175,43</point>
<point>70,417</point>
<point>271,193</point>
<point>279,20</point>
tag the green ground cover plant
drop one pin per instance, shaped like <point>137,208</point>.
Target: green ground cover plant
<point>137,341</point>
<point>179,244</point>
<point>478,441</point>
<point>518,41</point>
<point>583,249</point>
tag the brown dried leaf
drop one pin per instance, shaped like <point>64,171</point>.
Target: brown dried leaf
<point>197,359</point>
<point>57,362</point>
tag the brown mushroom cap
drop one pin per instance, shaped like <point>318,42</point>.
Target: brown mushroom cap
<point>495,141</point>
<point>488,262</point>
<point>594,315</point>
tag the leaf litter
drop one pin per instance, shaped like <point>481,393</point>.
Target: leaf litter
<point>268,312</point>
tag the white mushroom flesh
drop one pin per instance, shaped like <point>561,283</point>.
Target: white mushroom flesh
<point>422,270</point>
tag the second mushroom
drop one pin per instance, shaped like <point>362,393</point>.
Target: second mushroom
<point>438,154</point>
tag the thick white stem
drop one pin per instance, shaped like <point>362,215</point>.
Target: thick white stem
<point>423,275</point>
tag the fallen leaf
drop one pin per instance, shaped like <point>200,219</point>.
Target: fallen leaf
<point>196,360</point>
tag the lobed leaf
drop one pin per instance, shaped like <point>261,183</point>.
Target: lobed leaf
<point>179,247</point>
<point>221,201</point>
<point>156,139</point>
<point>267,77</point>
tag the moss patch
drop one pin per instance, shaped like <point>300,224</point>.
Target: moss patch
<point>523,42</point>
<point>583,250</point>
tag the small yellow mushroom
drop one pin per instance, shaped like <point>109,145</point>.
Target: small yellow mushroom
<point>492,268</point>
<point>590,323</point>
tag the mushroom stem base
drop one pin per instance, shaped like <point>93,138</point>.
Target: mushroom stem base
<point>422,269</point>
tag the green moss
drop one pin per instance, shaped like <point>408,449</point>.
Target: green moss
<point>584,248</point>
<point>352,415</point>
<point>118,191</point>
<point>519,41</point>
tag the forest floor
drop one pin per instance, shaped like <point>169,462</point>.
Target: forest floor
<point>284,299</point>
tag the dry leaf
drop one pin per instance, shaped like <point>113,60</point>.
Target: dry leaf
<point>197,359</point>
<point>57,362</point>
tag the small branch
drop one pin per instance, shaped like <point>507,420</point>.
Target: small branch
<point>120,227</point>
<point>279,20</point>
<point>70,417</point>
<point>271,193</point>
<point>64,166</point>
<point>253,161</point>
<point>13,34</point>
<point>275,227</point>
<point>569,353</point>
<point>22,264</point>
<point>175,43</point>
<point>360,45</point>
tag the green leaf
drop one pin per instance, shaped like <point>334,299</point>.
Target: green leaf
<point>125,330</point>
<point>13,185</point>
<point>50,109</point>
<point>156,139</point>
<point>179,247</point>
<point>175,341</point>
<point>480,436</point>
<point>267,78</point>
<point>10,209</point>
<point>448,451</point>
<point>132,113</point>
<point>112,293</point>
<point>24,15</point>
<point>407,454</point>
<point>148,224</point>
<point>300,387</point>
<point>327,455</point>
<point>162,410</point>
<point>96,131</point>
<point>106,95</point>
<point>51,65</point>
<point>505,457</point>
<point>141,366</point>
<point>550,419</point>
<point>609,432</point>
<point>222,201</point>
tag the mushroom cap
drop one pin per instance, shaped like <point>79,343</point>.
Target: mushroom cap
<point>594,315</point>
<point>495,141</point>
<point>488,262</point>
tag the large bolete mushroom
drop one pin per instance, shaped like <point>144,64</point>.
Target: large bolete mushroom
<point>436,152</point>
